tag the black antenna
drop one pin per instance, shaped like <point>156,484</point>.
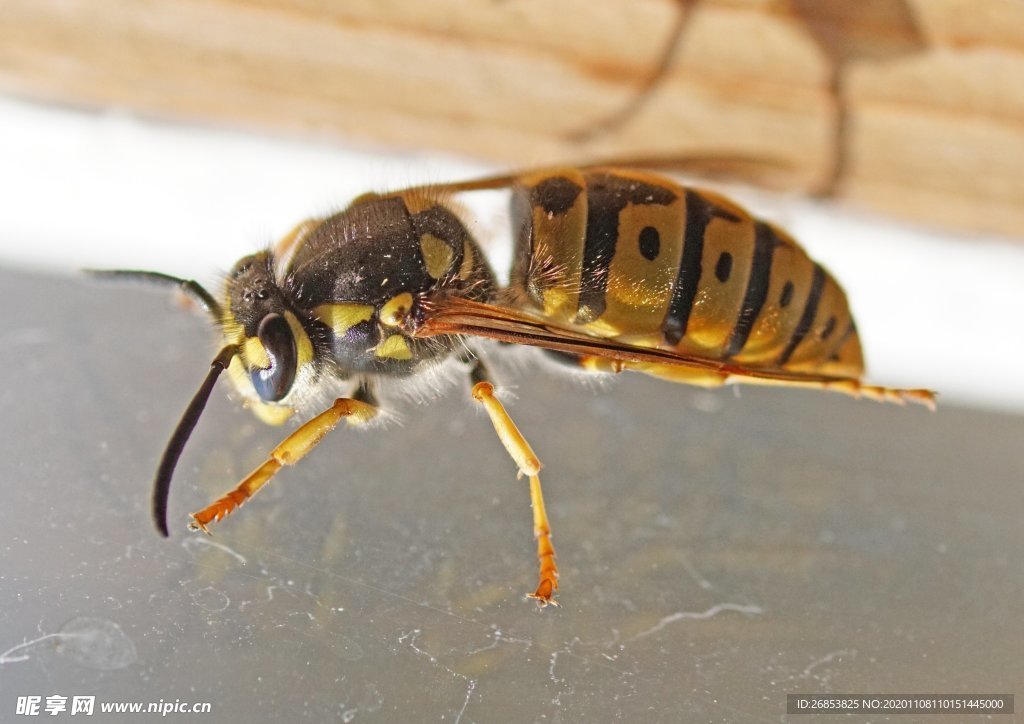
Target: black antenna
<point>164,473</point>
<point>191,287</point>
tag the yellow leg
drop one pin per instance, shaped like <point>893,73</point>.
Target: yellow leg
<point>290,451</point>
<point>529,465</point>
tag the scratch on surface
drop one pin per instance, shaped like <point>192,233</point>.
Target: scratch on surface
<point>692,571</point>
<point>558,681</point>
<point>11,655</point>
<point>95,643</point>
<point>193,541</point>
<point>270,597</point>
<point>497,637</point>
<point>691,615</point>
<point>824,660</point>
<point>210,599</point>
<point>411,637</point>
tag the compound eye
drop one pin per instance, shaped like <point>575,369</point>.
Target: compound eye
<point>274,382</point>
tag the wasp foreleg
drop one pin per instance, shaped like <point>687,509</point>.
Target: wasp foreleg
<point>290,451</point>
<point>521,452</point>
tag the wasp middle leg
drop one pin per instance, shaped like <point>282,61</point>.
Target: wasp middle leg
<point>526,460</point>
<point>294,447</point>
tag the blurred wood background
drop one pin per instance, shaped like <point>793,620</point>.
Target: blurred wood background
<point>911,107</point>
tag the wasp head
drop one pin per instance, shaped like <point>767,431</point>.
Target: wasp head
<point>274,350</point>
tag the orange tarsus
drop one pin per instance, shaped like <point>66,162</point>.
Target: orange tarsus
<point>898,396</point>
<point>217,511</point>
<point>548,583</point>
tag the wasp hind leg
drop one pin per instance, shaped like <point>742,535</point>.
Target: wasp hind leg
<point>736,374</point>
<point>290,451</point>
<point>526,460</point>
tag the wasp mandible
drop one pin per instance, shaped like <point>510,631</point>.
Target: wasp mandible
<point>613,269</point>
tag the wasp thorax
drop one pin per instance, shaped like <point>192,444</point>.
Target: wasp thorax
<point>365,274</point>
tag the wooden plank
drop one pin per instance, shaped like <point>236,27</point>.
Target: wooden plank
<point>938,137</point>
<point>497,82</point>
<point>860,97</point>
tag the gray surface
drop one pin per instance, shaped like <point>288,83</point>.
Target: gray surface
<point>717,551</point>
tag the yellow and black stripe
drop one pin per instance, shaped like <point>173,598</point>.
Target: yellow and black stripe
<point>636,257</point>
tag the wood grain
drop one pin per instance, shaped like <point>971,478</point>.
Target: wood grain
<point>913,107</point>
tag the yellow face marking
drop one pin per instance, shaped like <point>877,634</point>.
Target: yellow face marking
<point>239,377</point>
<point>233,333</point>
<point>303,347</point>
<point>394,311</point>
<point>394,347</point>
<point>254,353</point>
<point>342,316</point>
<point>437,254</point>
<point>270,414</point>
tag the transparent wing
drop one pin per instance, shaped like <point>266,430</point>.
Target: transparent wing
<point>457,316</point>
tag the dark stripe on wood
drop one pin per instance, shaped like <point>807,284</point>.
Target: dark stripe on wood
<point>699,213</point>
<point>607,196</point>
<point>754,298</point>
<point>807,318</point>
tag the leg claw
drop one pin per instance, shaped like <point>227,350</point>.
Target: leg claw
<point>544,595</point>
<point>195,525</point>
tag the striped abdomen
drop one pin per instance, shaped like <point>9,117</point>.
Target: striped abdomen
<point>634,256</point>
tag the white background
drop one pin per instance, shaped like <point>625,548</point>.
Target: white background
<point>935,309</point>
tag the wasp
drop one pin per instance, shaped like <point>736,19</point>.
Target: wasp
<point>613,269</point>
